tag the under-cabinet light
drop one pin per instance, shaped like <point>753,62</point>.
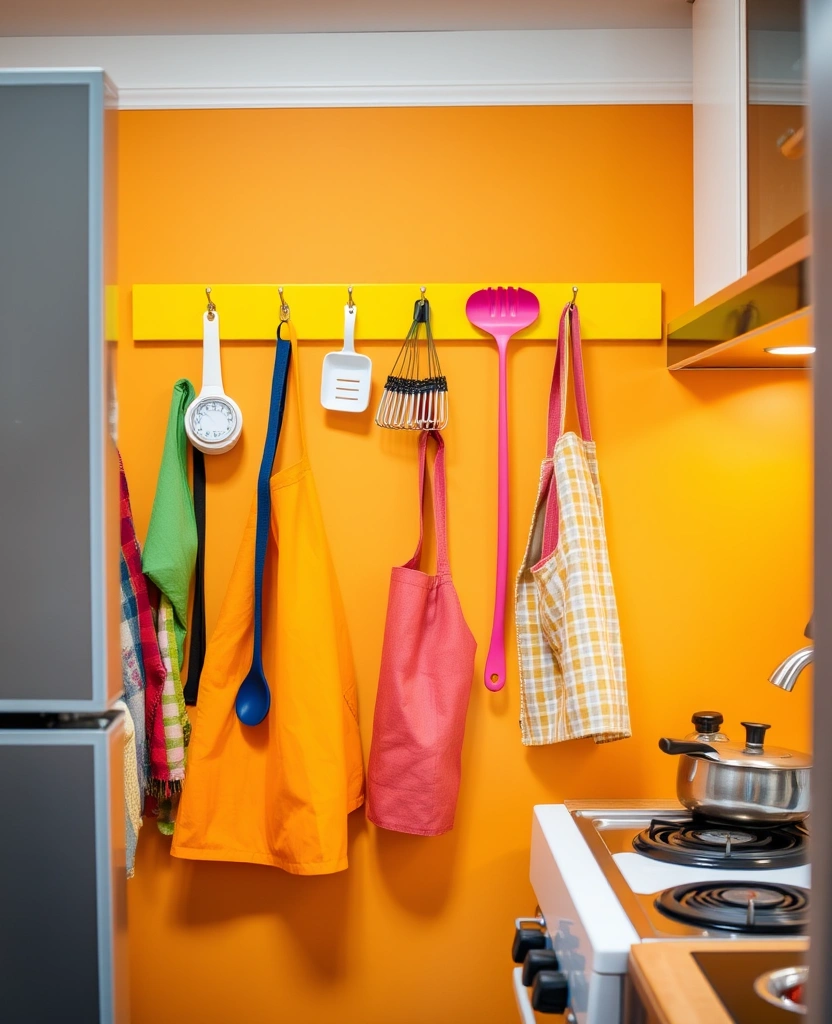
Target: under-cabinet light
<point>791,350</point>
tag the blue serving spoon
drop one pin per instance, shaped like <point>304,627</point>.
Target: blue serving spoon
<point>254,697</point>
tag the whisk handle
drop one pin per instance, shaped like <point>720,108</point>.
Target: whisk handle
<point>495,663</point>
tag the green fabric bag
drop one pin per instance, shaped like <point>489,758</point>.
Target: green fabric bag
<point>170,549</point>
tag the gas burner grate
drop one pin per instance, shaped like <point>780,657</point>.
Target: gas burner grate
<point>768,908</point>
<point>704,843</point>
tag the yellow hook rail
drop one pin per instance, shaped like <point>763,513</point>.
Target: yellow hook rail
<point>251,312</point>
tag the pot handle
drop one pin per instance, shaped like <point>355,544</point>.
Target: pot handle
<point>691,747</point>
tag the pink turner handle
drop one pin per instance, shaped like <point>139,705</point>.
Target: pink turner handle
<point>495,663</point>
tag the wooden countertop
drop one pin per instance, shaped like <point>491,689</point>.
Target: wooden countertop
<point>672,988</point>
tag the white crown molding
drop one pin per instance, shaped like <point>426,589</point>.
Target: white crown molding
<point>450,94</point>
<point>777,92</point>
<point>587,66</point>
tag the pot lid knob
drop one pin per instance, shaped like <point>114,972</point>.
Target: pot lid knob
<point>707,721</point>
<point>755,734</point>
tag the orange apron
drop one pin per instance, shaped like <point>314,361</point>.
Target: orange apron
<point>278,793</point>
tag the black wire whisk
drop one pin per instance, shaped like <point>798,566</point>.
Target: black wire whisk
<point>410,401</point>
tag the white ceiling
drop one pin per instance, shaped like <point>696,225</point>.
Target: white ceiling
<point>192,17</point>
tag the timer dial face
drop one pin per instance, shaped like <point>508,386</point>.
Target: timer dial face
<point>213,420</point>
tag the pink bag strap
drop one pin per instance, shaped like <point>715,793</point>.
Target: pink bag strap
<point>439,506</point>
<point>569,335</point>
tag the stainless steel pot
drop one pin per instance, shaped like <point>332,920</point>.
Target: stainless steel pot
<point>747,782</point>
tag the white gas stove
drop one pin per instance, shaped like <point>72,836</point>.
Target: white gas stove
<point>610,875</point>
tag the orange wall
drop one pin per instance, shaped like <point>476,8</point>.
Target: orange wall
<point>706,479</point>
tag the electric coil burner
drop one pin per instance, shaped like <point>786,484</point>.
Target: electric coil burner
<point>737,907</point>
<point>705,843</point>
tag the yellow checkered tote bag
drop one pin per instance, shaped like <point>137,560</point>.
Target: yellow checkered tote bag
<point>572,677</point>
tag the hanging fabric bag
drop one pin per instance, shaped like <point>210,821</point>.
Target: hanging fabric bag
<point>572,679</point>
<point>427,666</point>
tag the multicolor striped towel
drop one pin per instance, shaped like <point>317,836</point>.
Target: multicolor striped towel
<point>174,716</point>
<point>175,719</point>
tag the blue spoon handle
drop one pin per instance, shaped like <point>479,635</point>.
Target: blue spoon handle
<point>277,405</point>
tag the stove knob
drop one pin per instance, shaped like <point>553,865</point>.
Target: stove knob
<point>550,993</point>
<point>526,939</point>
<point>538,960</point>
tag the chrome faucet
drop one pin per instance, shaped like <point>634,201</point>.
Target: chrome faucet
<point>786,673</point>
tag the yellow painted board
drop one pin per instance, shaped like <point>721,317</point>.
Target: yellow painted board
<point>249,312</point>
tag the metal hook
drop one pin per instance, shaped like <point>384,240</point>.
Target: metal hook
<point>351,303</point>
<point>284,308</point>
<point>423,289</point>
<point>211,305</point>
<point>574,296</point>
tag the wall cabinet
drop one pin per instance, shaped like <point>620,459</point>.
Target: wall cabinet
<point>751,245</point>
<point>751,193</point>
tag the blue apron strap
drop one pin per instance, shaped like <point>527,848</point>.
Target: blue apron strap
<point>277,405</point>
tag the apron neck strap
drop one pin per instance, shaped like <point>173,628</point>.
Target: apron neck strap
<point>569,335</point>
<point>293,339</point>
<point>277,406</point>
<point>439,505</point>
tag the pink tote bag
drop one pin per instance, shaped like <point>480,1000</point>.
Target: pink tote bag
<point>427,666</point>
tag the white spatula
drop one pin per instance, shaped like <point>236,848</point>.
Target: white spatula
<point>345,382</point>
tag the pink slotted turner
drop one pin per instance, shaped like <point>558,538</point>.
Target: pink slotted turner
<point>502,313</point>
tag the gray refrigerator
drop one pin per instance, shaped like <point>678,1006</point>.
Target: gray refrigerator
<point>62,832</point>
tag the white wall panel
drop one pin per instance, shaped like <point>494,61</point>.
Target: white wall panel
<point>719,141</point>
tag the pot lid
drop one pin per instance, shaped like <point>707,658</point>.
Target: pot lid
<point>770,757</point>
<point>751,754</point>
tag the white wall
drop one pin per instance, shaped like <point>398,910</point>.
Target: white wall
<point>705,66</point>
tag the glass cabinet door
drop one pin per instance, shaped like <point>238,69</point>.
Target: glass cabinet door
<point>778,196</point>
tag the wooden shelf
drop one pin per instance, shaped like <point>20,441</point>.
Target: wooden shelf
<point>748,351</point>
<point>249,312</point>
<point>767,307</point>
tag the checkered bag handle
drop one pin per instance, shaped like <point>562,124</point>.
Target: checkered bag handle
<point>569,334</point>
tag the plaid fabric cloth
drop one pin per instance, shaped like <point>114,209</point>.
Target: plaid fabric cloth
<point>150,661</point>
<point>174,716</point>
<point>175,719</point>
<point>132,671</point>
<point>572,673</point>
